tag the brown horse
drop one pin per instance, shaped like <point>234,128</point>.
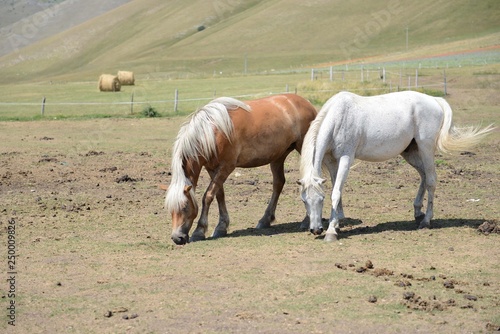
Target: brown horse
<point>223,135</point>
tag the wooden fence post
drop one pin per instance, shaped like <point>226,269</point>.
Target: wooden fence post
<point>132,104</point>
<point>176,100</point>
<point>444,82</point>
<point>43,106</point>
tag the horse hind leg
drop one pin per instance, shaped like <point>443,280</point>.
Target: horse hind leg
<point>427,155</point>
<point>421,158</point>
<point>412,156</point>
<point>278,170</point>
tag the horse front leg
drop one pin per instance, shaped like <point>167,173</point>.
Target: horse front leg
<point>337,211</point>
<point>222,226</point>
<point>278,170</point>
<point>332,167</point>
<point>213,190</point>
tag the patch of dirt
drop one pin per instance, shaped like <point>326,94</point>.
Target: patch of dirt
<point>93,153</point>
<point>126,178</point>
<point>489,227</point>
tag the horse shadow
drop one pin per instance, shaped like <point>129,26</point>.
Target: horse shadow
<point>354,227</point>
<point>408,225</point>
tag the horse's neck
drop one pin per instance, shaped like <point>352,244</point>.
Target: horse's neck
<point>192,170</point>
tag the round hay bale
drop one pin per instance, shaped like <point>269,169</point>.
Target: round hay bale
<point>126,78</point>
<point>109,83</point>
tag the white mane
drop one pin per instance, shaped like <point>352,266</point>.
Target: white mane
<point>197,138</point>
<point>307,171</point>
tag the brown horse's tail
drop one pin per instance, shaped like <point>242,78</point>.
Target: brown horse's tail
<point>452,138</point>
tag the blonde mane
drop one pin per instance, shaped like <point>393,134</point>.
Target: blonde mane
<point>196,138</point>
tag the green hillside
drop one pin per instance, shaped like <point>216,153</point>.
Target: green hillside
<point>195,37</point>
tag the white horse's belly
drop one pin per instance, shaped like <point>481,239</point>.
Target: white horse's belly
<point>379,155</point>
<point>382,149</point>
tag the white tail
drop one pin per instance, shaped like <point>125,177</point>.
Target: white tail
<point>452,138</point>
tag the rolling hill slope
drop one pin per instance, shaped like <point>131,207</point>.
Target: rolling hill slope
<point>195,36</point>
<point>25,22</point>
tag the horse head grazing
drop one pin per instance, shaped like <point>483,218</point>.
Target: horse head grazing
<point>313,196</point>
<point>183,216</point>
<point>311,183</point>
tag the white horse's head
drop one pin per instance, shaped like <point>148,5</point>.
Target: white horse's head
<point>313,196</point>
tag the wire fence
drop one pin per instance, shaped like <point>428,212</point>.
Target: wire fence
<point>318,87</point>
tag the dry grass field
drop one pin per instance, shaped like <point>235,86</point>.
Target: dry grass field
<point>95,256</point>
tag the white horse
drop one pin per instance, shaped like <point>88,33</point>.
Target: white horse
<point>375,129</point>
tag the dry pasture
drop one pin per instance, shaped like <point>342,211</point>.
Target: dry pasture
<point>95,256</point>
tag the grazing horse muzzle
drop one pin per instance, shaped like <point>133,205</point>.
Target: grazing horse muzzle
<point>180,238</point>
<point>317,231</point>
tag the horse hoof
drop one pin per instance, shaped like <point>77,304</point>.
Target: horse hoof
<point>419,219</point>
<point>197,237</point>
<point>261,225</point>
<point>219,234</point>
<point>423,225</point>
<point>330,237</point>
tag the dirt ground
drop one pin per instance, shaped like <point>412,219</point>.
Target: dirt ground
<point>94,253</point>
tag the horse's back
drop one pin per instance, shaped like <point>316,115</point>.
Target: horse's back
<point>382,126</point>
<point>274,126</point>
<point>392,111</point>
<point>275,115</point>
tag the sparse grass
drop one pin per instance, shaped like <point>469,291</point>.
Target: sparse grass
<point>440,162</point>
<point>149,111</point>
